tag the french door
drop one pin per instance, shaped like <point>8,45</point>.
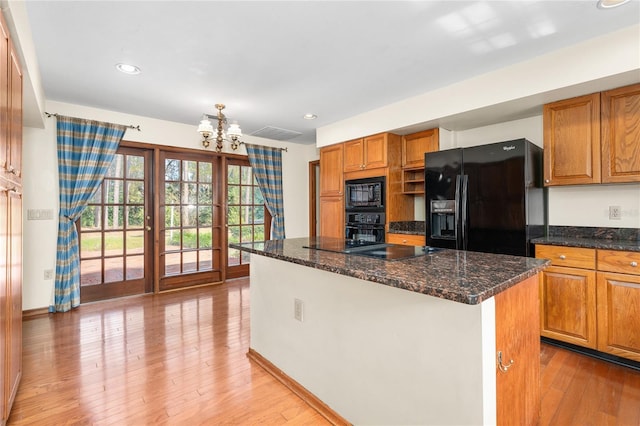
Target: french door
<point>115,237</point>
<point>190,212</point>
<point>247,218</point>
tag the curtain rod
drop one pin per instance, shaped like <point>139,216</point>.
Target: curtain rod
<point>49,115</point>
<point>281,149</point>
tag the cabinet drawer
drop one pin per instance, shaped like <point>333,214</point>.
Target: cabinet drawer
<point>406,239</point>
<point>573,257</point>
<point>626,262</point>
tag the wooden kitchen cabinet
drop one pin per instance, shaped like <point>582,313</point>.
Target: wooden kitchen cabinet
<point>593,138</point>
<point>10,223</point>
<point>366,153</point>
<point>619,303</point>
<point>571,129</point>
<point>331,178</point>
<point>620,115</point>
<point>414,147</point>
<point>568,295</point>
<point>406,239</point>
<point>332,221</point>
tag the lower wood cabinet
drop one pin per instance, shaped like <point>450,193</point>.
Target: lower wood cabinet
<point>406,239</point>
<point>332,217</point>
<point>594,305</point>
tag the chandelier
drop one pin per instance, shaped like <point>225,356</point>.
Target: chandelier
<point>206,130</point>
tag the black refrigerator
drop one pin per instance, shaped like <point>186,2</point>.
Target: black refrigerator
<point>487,198</point>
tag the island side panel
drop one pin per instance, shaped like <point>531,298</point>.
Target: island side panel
<point>373,353</point>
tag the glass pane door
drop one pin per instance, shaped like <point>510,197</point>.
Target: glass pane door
<point>247,217</point>
<point>115,231</point>
<point>190,225</point>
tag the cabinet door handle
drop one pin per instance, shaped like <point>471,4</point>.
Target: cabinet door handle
<point>546,181</point>
<point>562,257</point>
<point>634,264</point>
<point>501,366</point>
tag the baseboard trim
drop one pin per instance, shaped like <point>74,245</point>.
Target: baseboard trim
<point>35,313</point>
<point>313,401</point>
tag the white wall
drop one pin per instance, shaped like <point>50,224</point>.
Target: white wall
<point>41,184</point>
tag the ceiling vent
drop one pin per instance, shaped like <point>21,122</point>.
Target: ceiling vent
<point>276,133</point>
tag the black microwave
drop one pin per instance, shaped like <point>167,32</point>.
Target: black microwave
<point>365,194</point>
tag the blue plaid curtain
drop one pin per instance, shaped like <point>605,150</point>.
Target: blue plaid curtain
<point>266,163</point>
<point>85,150</point>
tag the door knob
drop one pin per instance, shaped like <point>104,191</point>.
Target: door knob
<point>148,228</point>
<point>501,366</point>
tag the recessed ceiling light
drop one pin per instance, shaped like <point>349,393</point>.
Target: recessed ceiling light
<point>128,69</point>
<point>608,4</point>
<point>309,116</point>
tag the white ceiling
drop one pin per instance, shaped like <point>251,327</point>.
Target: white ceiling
<point>272,62</point>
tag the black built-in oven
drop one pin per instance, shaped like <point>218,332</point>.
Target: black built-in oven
<point>365,226</point>
<point>365,195</point>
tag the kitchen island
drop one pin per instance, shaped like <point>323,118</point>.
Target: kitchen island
<point>413,341</point>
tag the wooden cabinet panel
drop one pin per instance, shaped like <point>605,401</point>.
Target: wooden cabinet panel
<point>625,262</point>
<point>4,95</point>
<point>416,144</point>
<point>620,140</point>
<point>4,290</point>
<point>406,239</point>
<point>568,305</point>
<point>572,141</point>
<point>332,217</point>
<point>331,179</point>
<point>619,314</point>
<point>517,339</point>
<point>14,154</point>
<point>375,151</point>
<point>574,257</point>
<point>14,297</point>
<point>354,155</point>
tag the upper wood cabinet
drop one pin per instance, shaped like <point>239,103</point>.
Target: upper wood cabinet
<point>572,141</point>
<point>416,144</point>
<point>331,165</point>
<point>366,153</point>
<point>4,96</point>
<point>620,117</point>
<point>593,138</point>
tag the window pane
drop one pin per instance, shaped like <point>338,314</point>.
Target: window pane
<point>247,192</point>
<point>246,214</point>
<point>233,193</point>
<point>204,261</point>
<point>113,243</point>
<point>90,244</point>
<point>113,217</point>
<point>171,169</point>
<point>204,194</point>
<point>205,172</point>
<point>135,167</point>
<point>172,216</point>
<point>233,175</point>
<point>172,240</point>
<point>205,216</point>
<point>234,257</point>
<point>96,198</point>
<point>258,214</point>
<point>190,169</point>
<point>189,216</point>
<point>205,238</point>
<point>189,261</point>
<point>257,196</point>
<point>247,176</point>
<point>247,234</point>
<point>189,193</point>
<point>135,192</point>
<point>113,192</point>
<point>91,272</point>
<point>258,233</point>
<point>115,168</point>
<point>113,269</point>
<point>172,264</point>
<point>172,193</point>
<point>135,267</point>
<point>135,217</point>
<point>135,242</point>
<point>91,218</point>
<point>245,257</point>
<point>233,234</point>
<point>233,215</point>
<point>189,239</point>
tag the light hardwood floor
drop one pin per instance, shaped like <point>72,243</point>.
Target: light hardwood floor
<point>180,358</point>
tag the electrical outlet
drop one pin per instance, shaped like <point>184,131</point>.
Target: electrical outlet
<point>48,274</point>
<point>615,213</point>
<point>298,309</point>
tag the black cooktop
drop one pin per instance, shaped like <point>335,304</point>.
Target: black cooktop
<point>372,249</point>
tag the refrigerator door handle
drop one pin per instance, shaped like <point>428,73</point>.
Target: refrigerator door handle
<point>465,196</point>
<point>457,213</point>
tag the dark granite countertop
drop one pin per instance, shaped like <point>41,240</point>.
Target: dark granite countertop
<point>591,237</point>
<point>411,227</point>
<point>461,276</point>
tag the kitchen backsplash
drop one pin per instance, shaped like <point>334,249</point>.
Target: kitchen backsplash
<point>627,234</point>
<point>407,227</point>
